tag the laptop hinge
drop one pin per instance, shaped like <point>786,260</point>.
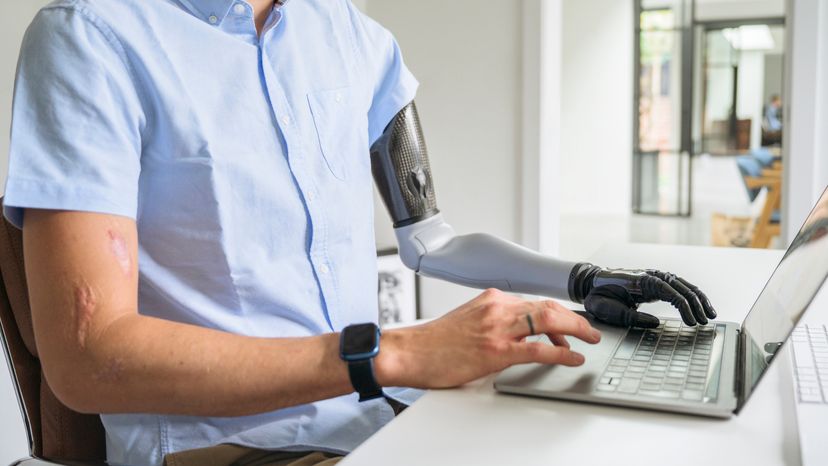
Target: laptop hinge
<point>739,379</point>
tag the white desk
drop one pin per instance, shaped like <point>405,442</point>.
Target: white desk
<point>476,426</point>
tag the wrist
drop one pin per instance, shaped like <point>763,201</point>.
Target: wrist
<point>388,364</point>
<point>581,281</point>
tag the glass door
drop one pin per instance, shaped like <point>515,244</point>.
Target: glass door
<point>742,88</point>
<point>663,97</point>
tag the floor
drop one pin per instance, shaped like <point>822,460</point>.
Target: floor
<point>717,187</point>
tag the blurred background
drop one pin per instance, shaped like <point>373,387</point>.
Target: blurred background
<point>567,124</point>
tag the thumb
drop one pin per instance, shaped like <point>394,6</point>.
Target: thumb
<point>611,311</point>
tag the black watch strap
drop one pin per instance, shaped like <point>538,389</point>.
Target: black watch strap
<point>362,378</point>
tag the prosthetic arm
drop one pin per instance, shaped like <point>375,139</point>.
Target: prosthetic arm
<point>431,247</point>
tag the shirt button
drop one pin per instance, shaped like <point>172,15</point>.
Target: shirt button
<point>239,9</point>
<point>285,120</point>
<point>213,19</point>
<point>311,196</point>
<point>323,269</point>
<point>338,97</point>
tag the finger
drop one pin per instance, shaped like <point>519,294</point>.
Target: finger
<point>658,288</point>
<point>543,353</point>
<point>644,320</point>
<point>706,304</point>
<point>609,310</point>
<point>695,304</point>
<point>558,340</point>
<point>550,317</point>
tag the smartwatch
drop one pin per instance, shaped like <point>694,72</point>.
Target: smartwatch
<point>358,345</point>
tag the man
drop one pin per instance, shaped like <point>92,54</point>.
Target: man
<point>193,183</point>
<point>773,117</point>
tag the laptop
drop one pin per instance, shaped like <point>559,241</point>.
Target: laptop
<point>706,370</point>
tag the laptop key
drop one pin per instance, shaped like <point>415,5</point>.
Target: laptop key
<point>691,395</point>
<point>628,386</point>
<point>627,347</point>
<point>810,397</point>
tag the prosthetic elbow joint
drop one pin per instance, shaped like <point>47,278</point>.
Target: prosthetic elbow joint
<point>399,161</point>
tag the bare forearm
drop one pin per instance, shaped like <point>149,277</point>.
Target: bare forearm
<point>143,364</point>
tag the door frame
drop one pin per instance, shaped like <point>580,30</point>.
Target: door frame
<point>686,30</point>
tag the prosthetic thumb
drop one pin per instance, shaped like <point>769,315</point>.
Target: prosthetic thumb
<point>615,307</point>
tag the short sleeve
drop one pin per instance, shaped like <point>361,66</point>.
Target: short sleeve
<point>76,120</point>
<point>393,84</point>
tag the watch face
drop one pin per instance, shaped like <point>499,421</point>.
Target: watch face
<point>359,340</point>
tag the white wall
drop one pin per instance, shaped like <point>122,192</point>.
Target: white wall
<point>467,58</point>
<point>821,152</point>
<point>806,112</point>
<point>13,22</point>
<point>750,100</point>
<point>596,113</point>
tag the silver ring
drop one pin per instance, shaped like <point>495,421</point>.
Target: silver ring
<point>531,324</point>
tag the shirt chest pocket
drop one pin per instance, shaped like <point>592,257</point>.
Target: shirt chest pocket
<point>341,130</point>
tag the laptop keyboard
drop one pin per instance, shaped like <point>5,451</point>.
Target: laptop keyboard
<point>670,361</point>
<point>810,349</point>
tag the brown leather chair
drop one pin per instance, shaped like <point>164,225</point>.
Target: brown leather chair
<point>55,432</point>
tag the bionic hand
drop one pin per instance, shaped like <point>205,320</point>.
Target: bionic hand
<point>430,246</point>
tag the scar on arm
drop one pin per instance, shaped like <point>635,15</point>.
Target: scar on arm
<point>118,247</point>
<point>86,302</point>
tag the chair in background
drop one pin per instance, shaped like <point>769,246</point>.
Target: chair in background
<point>57,435</point>
<point>756,177</point>
<point>766,158</point>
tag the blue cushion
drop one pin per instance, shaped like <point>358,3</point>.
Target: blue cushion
<point>776,216</point>
<point>763,155</point>
<point>749,167</point>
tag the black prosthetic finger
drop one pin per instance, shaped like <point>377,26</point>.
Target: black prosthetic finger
<point>684,290</point>
<point>610,310</point>
<point>644,320</point>
<point>706,304</point>
<point>658,288</point>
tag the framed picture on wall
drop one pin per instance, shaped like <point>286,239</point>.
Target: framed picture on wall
<point>397,290</point>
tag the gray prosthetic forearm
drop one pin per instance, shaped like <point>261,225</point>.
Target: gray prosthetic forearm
<point>429,245</point>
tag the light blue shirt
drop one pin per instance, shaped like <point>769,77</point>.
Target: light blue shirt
<point>245,163</point>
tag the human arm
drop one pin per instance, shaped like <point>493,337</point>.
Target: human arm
<point>100,355</point>
<point>430,246</point>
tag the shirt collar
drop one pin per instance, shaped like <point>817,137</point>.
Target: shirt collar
<point>214,11</point>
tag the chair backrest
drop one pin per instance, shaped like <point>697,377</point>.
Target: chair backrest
<point>749,167</point>
<point>55,431</point>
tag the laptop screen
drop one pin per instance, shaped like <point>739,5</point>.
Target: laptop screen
<point>789,291</point>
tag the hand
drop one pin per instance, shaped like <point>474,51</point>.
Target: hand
<point>613,295</point>
<point>480,337</point>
